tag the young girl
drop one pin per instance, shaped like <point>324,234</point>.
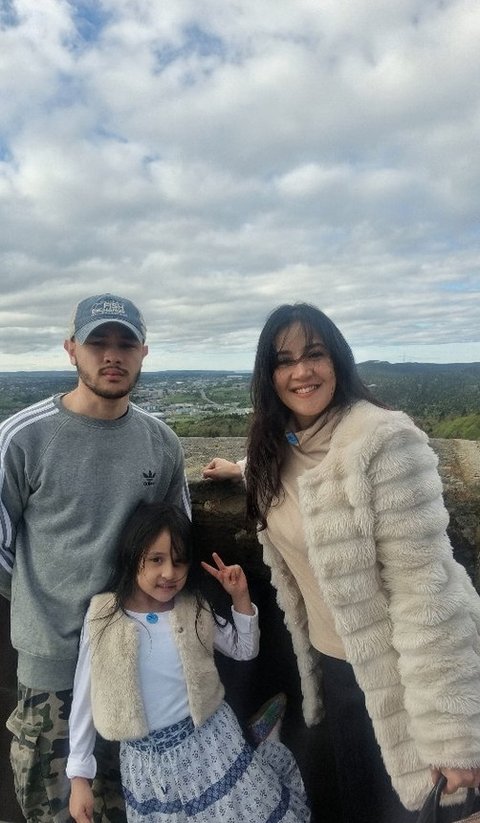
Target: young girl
<point>146,676</point>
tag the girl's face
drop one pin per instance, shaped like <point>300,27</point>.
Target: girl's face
<point>160,577</point>
<point>304,377</point>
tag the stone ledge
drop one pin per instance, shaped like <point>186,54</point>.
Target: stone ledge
<point>219,507</point>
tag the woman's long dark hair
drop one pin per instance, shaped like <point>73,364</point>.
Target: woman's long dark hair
<point>266,439</point>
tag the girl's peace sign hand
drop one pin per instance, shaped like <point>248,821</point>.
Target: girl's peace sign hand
<point>233,580</point>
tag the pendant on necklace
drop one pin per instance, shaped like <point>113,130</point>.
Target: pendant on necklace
<point>152,617</point>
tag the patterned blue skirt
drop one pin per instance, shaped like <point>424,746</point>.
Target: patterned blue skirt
<point>210,774</point>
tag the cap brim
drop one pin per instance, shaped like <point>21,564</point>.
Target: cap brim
<point>81,335</point>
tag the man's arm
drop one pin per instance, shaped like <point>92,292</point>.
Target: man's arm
<point>13,497</point>
<point>178,492</point>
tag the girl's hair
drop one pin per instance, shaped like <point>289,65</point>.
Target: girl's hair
<point>266,439</point>
<point>142,528</point>
<point>145,524</point>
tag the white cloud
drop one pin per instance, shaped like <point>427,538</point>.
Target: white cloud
<point>211,161</point>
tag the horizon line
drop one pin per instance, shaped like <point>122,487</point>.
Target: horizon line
<point>248,371</point>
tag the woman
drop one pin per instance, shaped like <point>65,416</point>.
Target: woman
<point>352,522</point>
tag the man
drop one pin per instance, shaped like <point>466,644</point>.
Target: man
<point>72,468</point>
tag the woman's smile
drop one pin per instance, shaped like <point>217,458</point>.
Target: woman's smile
<point>304,378</point>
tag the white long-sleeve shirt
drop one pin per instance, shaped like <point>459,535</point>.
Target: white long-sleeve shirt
<point>162,681</point>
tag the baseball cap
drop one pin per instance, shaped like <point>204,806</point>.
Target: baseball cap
<point>106,308</point>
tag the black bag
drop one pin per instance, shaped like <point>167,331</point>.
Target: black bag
<point>432,813</point>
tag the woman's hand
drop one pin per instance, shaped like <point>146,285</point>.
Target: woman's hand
<point>221,469</point>
<point>81,800</point>
<point>457,778</point>
<point>233,580</point>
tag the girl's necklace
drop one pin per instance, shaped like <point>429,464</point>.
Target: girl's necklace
<point>150,617</point>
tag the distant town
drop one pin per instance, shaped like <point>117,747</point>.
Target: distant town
<point>191,402</point>
<point>174,395</point>
<point>444,399</point>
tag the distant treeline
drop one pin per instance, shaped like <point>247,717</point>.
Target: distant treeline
<point>425,389</point>
<point>443,399</point>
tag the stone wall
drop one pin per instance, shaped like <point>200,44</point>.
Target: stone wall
<point>220,507</point>
<point>219,523</point>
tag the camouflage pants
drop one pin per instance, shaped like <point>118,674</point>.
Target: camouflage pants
<point>38,755</point>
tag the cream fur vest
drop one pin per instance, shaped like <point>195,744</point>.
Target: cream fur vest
<point>408,615</point>
<point>117,707</point>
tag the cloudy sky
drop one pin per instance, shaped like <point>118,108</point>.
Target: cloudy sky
<point>211,159</point>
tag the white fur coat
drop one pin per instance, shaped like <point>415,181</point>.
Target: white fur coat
<point>408,615</point>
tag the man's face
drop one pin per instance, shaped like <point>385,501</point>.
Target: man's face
<point>110,360</point>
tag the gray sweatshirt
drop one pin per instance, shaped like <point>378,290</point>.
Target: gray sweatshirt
<point>67,484</point>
